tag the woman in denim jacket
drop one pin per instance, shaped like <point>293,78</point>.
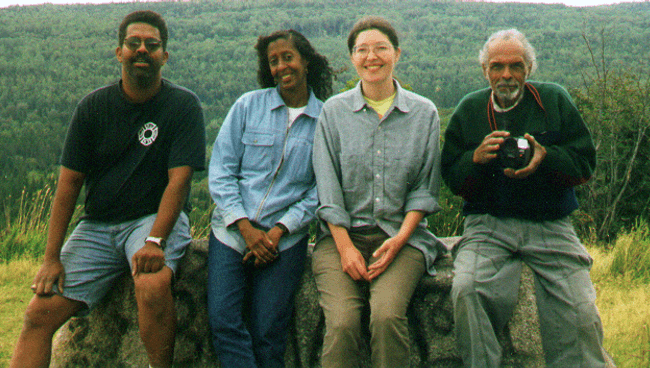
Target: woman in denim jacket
<point>262,182</point>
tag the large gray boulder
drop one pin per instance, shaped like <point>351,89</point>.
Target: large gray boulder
<point>109,336</point>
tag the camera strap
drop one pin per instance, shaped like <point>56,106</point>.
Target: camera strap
<point>490,106</point>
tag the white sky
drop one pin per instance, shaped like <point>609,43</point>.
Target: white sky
<point>6,3</point>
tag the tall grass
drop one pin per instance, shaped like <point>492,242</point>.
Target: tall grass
<point>621,275</point>
<point>632,253</point>
<point>25,230</point>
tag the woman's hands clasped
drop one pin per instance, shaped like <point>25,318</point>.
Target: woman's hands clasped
<point>261,245</point>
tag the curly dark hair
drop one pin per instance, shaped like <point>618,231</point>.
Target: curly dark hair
<point>144,16</point>
<point>372,22</point>
<point>319,73</point>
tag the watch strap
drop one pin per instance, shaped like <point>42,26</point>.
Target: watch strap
<point>160,242</point>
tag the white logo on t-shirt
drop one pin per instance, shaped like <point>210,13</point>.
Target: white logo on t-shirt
<point>148,133</point>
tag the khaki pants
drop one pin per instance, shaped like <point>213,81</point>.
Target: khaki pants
<point>343,299</point>
<point>487,270</point>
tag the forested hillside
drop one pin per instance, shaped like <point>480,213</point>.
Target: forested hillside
<point>52,55</point>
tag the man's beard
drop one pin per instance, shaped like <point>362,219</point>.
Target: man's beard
<point>508,97</point>
<point>143,77</point>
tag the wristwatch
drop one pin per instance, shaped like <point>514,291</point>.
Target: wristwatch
<point>160,242</point>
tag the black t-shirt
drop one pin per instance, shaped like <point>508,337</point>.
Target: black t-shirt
<point>126,149</point>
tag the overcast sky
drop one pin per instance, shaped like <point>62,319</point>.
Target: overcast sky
<point>6,3</point>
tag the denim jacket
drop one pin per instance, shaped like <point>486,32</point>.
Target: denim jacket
<point>262,170</point>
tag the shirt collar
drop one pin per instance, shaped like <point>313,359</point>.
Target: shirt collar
<point>313,104</point>
<point>399,102</point>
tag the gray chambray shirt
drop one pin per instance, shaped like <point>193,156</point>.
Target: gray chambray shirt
<point>372,171</point>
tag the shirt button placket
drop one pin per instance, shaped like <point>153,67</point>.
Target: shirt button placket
<point>379,170</point>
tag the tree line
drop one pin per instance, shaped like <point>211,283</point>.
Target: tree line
<point>52,55</point>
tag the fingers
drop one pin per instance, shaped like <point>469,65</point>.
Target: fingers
<point>488,148</point>
<point>61,282</point>
<point>386,253</point>
<point>262,247</point>
<point>354,265</point>
<point>44,287</point>
<point>247,256</point>
<point>49,274</point>
<point>149,259</point>
<point>135,266</point>
<point>358,272</point>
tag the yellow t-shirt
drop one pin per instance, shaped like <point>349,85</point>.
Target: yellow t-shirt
<point>381,107</point>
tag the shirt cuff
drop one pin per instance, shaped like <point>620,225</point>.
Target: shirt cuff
<point>334,215</point>
<point>233,216</point>
<point>421,202</point>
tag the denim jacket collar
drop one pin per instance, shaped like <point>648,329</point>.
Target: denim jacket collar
<point>313,106</point>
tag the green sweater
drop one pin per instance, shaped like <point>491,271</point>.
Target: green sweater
<point>545,195</point>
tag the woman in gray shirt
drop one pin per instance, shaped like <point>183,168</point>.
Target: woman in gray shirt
<point>377,162</point>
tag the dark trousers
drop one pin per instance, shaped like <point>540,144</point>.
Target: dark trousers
<point>264,295</point>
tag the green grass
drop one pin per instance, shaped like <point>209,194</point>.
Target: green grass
<point>621,279</point>
<point>25,230</point>
<point>15,294</point>
<point>622,301</point>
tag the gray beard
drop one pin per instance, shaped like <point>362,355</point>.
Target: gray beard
<point>509,98</point>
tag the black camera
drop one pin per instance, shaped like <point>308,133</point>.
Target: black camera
<point>515,153</point>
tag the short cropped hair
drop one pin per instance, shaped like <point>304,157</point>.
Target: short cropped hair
<point>144,16</point>
<point>505,35</point>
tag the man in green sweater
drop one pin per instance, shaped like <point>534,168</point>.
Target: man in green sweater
<point>514,152</point>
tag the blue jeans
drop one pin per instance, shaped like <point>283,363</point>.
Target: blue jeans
<point>263,295</point>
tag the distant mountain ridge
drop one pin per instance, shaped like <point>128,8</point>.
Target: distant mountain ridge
<point>52,55</point>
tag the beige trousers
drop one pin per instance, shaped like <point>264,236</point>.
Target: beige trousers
<point>343,300</point>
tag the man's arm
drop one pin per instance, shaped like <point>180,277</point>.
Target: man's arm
<point>65,200</point>
<point>151,258</point>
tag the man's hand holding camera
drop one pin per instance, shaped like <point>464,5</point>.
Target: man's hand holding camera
<point>487,150</point>
<point>492,148</point>
<point>539,153</point>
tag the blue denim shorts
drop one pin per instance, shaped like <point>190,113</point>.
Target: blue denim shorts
<point>97,253</point>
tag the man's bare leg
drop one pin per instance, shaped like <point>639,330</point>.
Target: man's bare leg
<point>156,315</point>
<point>43,317</point>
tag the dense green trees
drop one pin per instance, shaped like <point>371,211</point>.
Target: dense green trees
<point>52,55</point>
<point>616,102</point>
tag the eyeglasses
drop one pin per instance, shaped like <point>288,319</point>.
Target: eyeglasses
<point>379,49</point>
<point>151,44</point>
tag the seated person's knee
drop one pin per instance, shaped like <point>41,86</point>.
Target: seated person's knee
<point>49,313</point>
<point>347,322</point>
<point>151,288</point>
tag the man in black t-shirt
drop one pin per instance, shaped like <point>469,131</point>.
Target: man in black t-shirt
<point>135,145</point>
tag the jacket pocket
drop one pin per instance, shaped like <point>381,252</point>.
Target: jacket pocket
<point>258,151</point>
